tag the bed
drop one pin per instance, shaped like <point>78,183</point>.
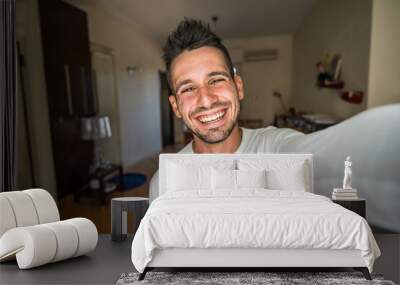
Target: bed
<point>245,211</point>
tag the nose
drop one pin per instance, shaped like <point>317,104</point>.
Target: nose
<point>206,97</point>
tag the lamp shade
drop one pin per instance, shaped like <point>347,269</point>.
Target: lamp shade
<point>95,128</point>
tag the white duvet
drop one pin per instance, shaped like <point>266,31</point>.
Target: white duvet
<point>251,218</point>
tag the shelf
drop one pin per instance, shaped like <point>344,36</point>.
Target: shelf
<point>352,96</point>
<point>331,85</point>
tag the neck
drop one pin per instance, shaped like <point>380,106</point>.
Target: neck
<point>229,145</point>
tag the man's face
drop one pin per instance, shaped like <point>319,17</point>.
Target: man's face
<point>207,98</point>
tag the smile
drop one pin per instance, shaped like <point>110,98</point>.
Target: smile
<point>212,118</point>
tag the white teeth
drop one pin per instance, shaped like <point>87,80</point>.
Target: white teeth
<point>214,117</point>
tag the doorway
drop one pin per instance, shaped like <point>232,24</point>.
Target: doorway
<point>107,98</point>
<point>167,118</point>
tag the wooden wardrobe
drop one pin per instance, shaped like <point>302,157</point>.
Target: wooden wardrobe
<point>67,61</point>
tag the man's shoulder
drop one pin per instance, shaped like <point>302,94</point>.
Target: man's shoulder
<point>269,139</point>
<point>260,130</point>
<point>187,148</point>
<point>268,132</point>
<point>271,130</point>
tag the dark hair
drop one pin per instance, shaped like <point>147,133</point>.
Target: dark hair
<point>192,34</point>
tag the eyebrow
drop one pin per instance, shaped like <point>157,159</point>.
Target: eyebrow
<point>211,74</point>
<point>186,81</point>
<point>214,73</point>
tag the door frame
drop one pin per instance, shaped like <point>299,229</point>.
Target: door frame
<point>107,51</point>
<point>170,124</point>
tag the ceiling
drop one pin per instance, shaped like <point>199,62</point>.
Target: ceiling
<point>237,18</point>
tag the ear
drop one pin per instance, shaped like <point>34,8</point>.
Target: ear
<point>174,105</point>
<point>239,86</point>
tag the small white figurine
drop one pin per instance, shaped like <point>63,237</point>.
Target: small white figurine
<point>347,174</point>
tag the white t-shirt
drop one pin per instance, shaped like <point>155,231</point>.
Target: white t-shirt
<point>264,140</point>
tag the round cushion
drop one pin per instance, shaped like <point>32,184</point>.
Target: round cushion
<point>23,208</point>
<point>87,234</point>
<point>67,239</point>
<point>45,205</point>
<point>7,220</point>
<point>33,246</point>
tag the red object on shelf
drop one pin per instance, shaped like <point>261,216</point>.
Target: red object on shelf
<point>352,96</point>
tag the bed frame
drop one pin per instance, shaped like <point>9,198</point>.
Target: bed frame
<point>259,259</point>
<point>248,259</point>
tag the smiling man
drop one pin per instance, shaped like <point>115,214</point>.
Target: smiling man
<point>207,94</point>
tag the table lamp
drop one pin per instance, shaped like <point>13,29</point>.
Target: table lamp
<point>95,129</point>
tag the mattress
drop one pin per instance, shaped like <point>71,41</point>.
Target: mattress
<point>252,219</point>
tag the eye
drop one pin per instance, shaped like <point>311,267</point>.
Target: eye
<point>216,81</point>
<point>187,90</point>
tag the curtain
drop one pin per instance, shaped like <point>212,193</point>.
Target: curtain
<point>7,95</point>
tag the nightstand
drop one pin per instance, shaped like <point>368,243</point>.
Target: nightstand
<point>119,211</point>
<point>358,206</point>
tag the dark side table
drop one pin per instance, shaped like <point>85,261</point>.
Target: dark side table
<point>98,182</point>
<point>358,206</point>
<point>119,215</point>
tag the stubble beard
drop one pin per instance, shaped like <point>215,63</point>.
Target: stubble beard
<point>214,136</point>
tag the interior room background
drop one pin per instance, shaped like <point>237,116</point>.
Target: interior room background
<point>127,77</point>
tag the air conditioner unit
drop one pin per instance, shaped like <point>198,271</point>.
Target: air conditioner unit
<point>261,55</point>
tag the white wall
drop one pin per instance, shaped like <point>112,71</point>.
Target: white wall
<point>264,77</point>
<point>384,71</point>
<point>342,27</point>
<point>138,94</point>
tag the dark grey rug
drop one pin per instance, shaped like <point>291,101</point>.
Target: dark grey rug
<point>229,278</point>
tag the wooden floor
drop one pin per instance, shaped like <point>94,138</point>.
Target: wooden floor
<point>100,215</point>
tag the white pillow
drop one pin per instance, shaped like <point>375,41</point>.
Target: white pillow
<point>223,179</point>
<point>236,179</point>
<point>282,174</point>
<point>181,177</point>
<point>251,178</point>
<point>293,179</point>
